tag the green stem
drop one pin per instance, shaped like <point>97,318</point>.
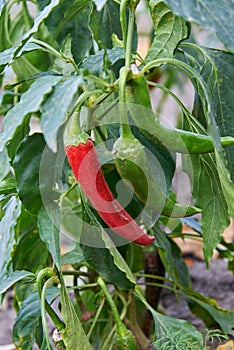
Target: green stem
<point>157,285</point>
<point>153,277</point>
<point>96,318</point>
<point>176,99</point>
<point>74,127</point>
<point>98,80</point>
<point>128,54</point>
<point>186,235</point>
<point>125,127</point>
<point>27,17</point>
<point>123,20</point>
<point>48,48</point>
<point>106,344</point>
<point>188,70</point>
<point>44,307</point>
<point>102,97</point>
<point>42,275</point>
<point>6,23</point>
<point>110,301</point>
<point>48,273</point>
<point>86,286</point>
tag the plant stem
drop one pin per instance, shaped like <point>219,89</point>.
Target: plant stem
<point>125,127</point>
<point>48,48</point>
<point>98,80</point>
<point>96,318</point>
<point>128,54</point>
<point>48,273</point>
<point>43,274</point>
<point>86,286</point>
<point>188,70</point>
<point>113,307</point>
<point>75,126</point>
<point>44,308</point>
<point>27,17</point>
<point>153,276</point>
<point>123,20</point>
<point>43,312</point>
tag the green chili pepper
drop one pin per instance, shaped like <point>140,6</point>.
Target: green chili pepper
<point>181,141</point>
<point>132,165</point>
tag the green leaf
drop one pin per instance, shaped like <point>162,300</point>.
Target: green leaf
<point>216,68</point>
<point>26,165</point>
<point>13,278</point>
<point>207,195</point>
<point>29,103</point>
<point>54,114</point>
<point>205,14</point>
<point>101,260</point>
<point>227,184</point>
<point>209,311</point>
<point>53,178</point>
<point>71,211</point>
<point>6,55</point>
<point>49,225</point>
<point>7,238</point>
<point>118,259</point>
<point>105,23</point>
<point>72,17</point>
<point>222,94</point>
<point>96,249</point>
<point>39,19</point>
<point>169,30</point>
<point>171,257</point>
<point>29,319</point>
<point>31,253</point>
<point>60,66</point>
<point>94,63</point>
<point>5,166</point>
<point>74,336</point>
<point>173,333</point>
<point>20,133</point>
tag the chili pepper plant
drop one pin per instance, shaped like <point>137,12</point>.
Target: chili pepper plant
<point>89,210</point>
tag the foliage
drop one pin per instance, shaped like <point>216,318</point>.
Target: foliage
<point>66,58</point>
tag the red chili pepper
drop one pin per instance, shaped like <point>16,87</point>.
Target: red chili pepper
<point>86,168</point>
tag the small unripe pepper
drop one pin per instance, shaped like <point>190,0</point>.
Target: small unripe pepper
<point>83,159</point>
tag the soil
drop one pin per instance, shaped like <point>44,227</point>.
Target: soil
<point>217,283</point>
